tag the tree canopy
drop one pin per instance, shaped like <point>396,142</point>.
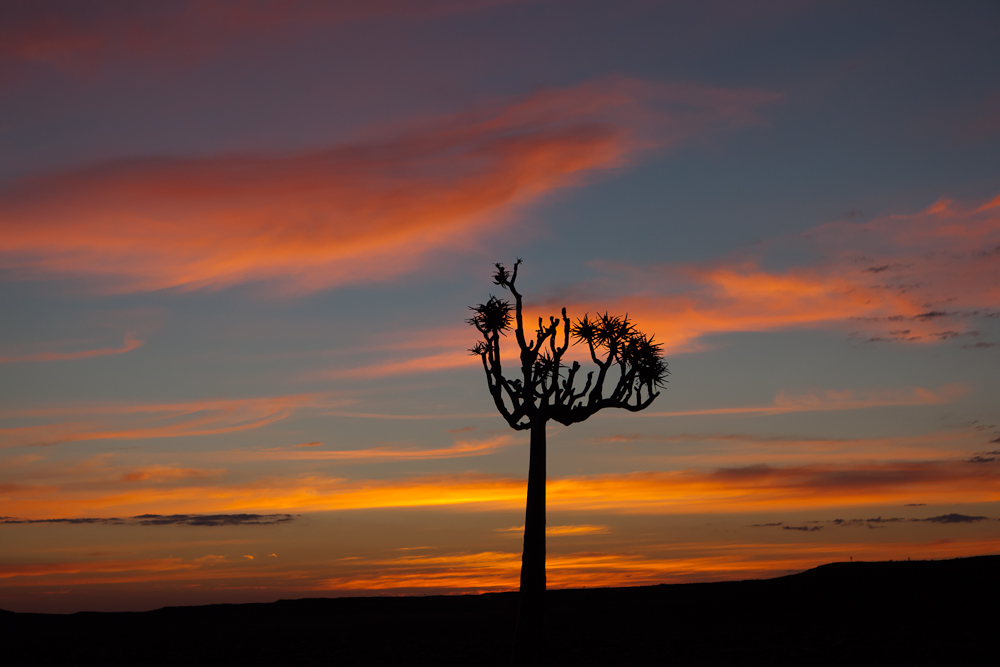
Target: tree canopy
<point>629,362</point>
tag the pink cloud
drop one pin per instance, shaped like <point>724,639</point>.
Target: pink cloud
<point>920,278</point>
<point>349,213</point>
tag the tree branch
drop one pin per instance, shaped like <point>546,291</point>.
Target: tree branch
<point>541,392</point>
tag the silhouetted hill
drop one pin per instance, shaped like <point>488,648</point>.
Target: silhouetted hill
<point>865,613</point>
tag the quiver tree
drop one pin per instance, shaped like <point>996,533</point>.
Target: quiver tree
<point>630,369</point>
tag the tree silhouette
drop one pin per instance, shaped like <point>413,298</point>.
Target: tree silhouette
<point>545,390</point>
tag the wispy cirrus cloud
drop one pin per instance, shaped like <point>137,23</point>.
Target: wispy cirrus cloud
<point>461,449</point>
<point>103,332</point>
<point>431,363</point>
<point>127,421</point>
<point>354,212</point>
<point>129,344</point>
<point>409,352</point>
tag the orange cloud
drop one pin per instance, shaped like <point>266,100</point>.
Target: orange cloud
<point>350,213</point>
<point>461,449</point>
<point>915,278</point>
<point>734,489</point>
<point>558,531</point>
<point>760,487</point>
<point>425,350</point>
<point>421,417</point>
<point>165,420</point>
<point>129,345</point>
<point>160,473</point>
<point>427,364</point>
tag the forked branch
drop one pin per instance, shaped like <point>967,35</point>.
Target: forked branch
<point>542,391</point>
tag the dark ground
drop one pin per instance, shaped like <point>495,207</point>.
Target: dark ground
<point>879,613</point>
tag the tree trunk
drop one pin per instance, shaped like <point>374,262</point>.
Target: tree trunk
<point>529,637</point>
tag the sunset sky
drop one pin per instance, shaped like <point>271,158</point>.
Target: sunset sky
<point>239,240</point>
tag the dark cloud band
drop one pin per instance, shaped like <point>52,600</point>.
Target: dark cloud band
<point>170,520</point>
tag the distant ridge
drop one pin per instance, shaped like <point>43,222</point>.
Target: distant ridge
<point>937,612</point>
<point>901,568</point>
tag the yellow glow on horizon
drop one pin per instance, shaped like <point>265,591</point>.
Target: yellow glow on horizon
<point>726,490</point>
